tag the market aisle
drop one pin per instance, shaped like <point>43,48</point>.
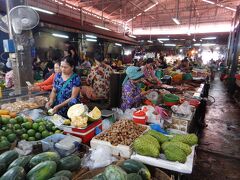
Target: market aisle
<point>218,154</point>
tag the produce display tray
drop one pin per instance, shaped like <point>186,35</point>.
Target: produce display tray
<point>119,150</point>
<point>185,168</point>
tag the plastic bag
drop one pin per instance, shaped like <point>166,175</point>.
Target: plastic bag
<point>184,109</point>
<point>33,114</point>
<point>97,158</point>
<point>106,124</point>
<point>49,142</point>
<point>24,147</point>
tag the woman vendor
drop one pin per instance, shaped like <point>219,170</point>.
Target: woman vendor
<point>48,83</point>
<point>66,87</point>
<point>98,80</point>
<point>131,92</point>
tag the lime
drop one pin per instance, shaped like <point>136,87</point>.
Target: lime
<point>4,128</point>
<point>25,120</point>
<point>19,131</point>
<point>9,126</point>
<point>57,131</point>
<point>49,126</point>
<point>42,123</point>
<point>24,130</point>
<point>54,128</point>
<point>8,131</point>
<point>5,120</point>
<point>31,132</point>
<point>13,121</point>
<point>38,136</point>
<point>41,128</point>
<point>4,138</point>
<point>4,144</point>
<point>19,119</point>
<point>50,133</point>
<point>45,134</point>
<point>24,136</point>
<point>17,126</point>
<point>11,137</point>
<point>35,126</point>
<point>31,139</point>
<point>1,132</point>
<point>27,125</point>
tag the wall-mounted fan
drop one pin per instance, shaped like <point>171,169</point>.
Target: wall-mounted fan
<point>22,18</point>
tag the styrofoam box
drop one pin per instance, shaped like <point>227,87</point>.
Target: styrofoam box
<point>185,168</point>
<point>119,150</point>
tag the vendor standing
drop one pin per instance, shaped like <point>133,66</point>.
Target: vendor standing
<point>131,92</point>
<point>66,88</point>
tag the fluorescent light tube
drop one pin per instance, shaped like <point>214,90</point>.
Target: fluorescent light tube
<point>132,36</point>
<point>91,36</point>
<point>173,45</point>
<point>210,38</point>
<point>210,2</point>
<point>117,44</point>
<point>231,9</point>
<point>41,10</point>
<point>160,41</point>
<point>208,44</point>
<point>176,21</point>
<point>150,41</point>
<point>197,44</point>
<point>163,39</point>
<point>91,40</point>
<point>60,35</point>
<point>150,7</point>
<point>194,39</point>
<point>101,27</point>
<point>139,14</point>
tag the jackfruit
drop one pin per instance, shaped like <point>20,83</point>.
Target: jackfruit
<point>185,147</point>
<point>173,153</point>
<point>190,139</point>
<point>151,140</point>
<point>145,147</point>
<point>159,136</point>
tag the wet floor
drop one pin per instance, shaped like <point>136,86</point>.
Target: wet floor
<point>218,154</point>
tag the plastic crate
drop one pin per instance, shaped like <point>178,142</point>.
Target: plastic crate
<point>86,134</point>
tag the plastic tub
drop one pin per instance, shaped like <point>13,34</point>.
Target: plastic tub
<point>171,98</point>
<point>139,117</point>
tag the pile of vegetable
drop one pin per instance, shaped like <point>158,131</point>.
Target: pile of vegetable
<point>127,170</point>
<point>24,129</point>
<point>79,116</point>
<point>122,132</point>
<point>44,166</point>
<point>176,148</point>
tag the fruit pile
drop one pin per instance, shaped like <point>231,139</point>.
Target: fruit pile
<point>46,165</point>
<point>127,170</point>
<point>24,129</point>
<point>176,148</point>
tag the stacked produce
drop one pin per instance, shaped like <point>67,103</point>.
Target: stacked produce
<point>176,148</point>
<point>22,128</point>
<point>122,132</point>
<point>79,116</point>
<point>46,165</point>
<point>127,170</point>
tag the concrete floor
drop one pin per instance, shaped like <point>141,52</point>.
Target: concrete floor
<point>218,154</point>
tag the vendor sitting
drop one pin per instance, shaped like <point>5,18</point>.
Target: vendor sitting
<point>48,83</point>
<point>184,66</point>
<point>131,92</point>
<point>66,87</point>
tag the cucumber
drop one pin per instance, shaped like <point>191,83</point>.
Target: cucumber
<point>64,173</point>
<point>71,163</point>
<point>132,166</point>
<point>8,157</point>
<point>15,173</point>
<point>114,172</point>
<point>2,168</point>
<point>42,171</point>
<point>45,156</point>
<point>59,178</point>
<point>21,161</point>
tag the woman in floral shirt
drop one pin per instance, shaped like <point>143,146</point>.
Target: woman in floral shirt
<point>99,78</point>
<point>131,92</point>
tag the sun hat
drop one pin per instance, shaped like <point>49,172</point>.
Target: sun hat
<point>133,72</point>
